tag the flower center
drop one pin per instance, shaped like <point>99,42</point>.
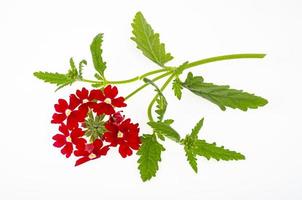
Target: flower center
<point>92,156</point>
<point>68,139</point>
<point>85,100</point>
<point>107,100</point>
<point>67,112</point>
<point>120,134</point>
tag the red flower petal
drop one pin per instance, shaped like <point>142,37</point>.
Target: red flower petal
<point>82,94</point>
<point>118,102</point>
<point>72,121</point>
<point>73,102</point>
<point>124,150</point>
<point>97,144</point>
<point>103,151</point>
<point>58,118</point>
<point>59,140</point>
<point>109,137</point>
<point>77,133</point>
<point>96,95</point>
<point>64,129</point>
<point>81,161</point>
<point>110,92</point>
<point>103,108</point>
<point>61,106</point>
<point>67,149</point>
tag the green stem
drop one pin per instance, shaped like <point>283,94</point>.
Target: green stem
<point>128,80</point>
<point>149,111</point>
<point>89,81</point>
<point>144,85</point>
<point>220,58</point>
<point>138,77</point>
<point>171,70</point>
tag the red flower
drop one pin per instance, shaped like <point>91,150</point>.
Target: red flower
<point>90,151</point>
<point>109,101</point>
<point>88,99</point>
<point>67,111</point>
<point>68,139</point>
<point>117,117</point>
<point>124,134</point>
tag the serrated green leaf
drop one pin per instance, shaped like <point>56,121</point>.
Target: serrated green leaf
<point>72,65</point>
<point>160,136</point>
<point>168,121</point>
<point>149,156</point>
<point>96,52</point>
<point>177,88</point>
<point>81,66</point>
<point>223,96</point>
<point>207,150</point>
<point>161,102</point>
<point>165,129</point>
<point>196,129</point>
<point>191,158</point>
<point>60,80</point>
<point>148,41</point>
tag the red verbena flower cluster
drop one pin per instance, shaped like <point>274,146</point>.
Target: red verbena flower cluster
<point>90,125</point>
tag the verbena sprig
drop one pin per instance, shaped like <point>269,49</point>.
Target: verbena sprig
<point>151,147</point>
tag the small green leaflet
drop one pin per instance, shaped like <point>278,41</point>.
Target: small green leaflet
<point>62,80</point>
<point>194,147</point>
<point>189,145</point>
<point>177,87</point>
<point>81,66</point>
<point>165,129</point>
<point>223,96</point>
<point>196,129</point>
<point>53,78</point>
<point>202,148</point>
<point>150,156</point>
<point>96,52</point>
<point>191,157</point>
<point>161,101</point>
<point>148,41</point>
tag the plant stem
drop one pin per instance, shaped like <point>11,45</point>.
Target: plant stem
<point>144,85</point>
<point>128,80</point>
<point>171,70</point>
<point>138,77</point>
<point>149,111</point>
<point>220,58</point>
<point>89,81</point>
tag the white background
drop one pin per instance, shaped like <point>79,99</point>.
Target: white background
<point>43,35</point>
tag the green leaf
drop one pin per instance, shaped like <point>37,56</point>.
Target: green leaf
<point>72,65</point>
<point>168,121</point>
<point>177,87</point>
<point>196,129</point>
<point>148,41</point>
<point>202,148</point>
<point>96,52</point>
<point>150,156</point>
<point>165,130</point>
<point>191,157</point>
<point>223,96</point>
<point>54,78</point>
<point>161,102</point>
<point>81,66</point>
